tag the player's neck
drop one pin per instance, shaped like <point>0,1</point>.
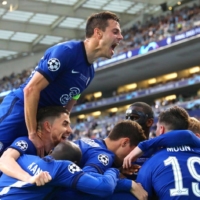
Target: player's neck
<point>48,144</point>
<point>111,145</point>
<point>92,50</point>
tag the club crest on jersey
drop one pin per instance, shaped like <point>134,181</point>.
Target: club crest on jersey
<point>23,145</point>
<point>74,168</point>
<point>103,159</point>
<point>53,64</point>
<point>1,146</point>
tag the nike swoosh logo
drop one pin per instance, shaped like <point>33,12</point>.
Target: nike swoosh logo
<point>74,72</point>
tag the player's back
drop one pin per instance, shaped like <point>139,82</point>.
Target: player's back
<point>63,173</point>
<point>174,173</point>
<point>95,154</point>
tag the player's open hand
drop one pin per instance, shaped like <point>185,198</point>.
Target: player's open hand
<point>40,179</point>
<point>138,191</point>
<point>131,157</point>
<point>39,145</point>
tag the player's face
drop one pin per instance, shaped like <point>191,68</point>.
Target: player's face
<point>60,128</point>
<point>122,153</point>
<point>158,129</point>
<point>110,38</point>
<point>136,113</point>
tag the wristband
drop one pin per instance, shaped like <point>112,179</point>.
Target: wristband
<point>76,97</point>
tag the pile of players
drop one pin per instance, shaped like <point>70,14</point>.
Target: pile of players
<point>109,168</point>
<point>38,162</point>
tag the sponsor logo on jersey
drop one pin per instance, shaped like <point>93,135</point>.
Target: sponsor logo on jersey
<point>74,72</point>
<point>66,97</point>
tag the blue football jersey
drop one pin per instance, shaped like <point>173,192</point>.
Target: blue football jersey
<point>66,68</point>
<point>172,173</point>
<point>96,159</point>
<point>95,155</point>
<point>24,146</point>
<point>170,139</point>
<point>64,174</point>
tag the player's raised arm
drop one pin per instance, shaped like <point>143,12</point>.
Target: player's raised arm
<point>31,99</point>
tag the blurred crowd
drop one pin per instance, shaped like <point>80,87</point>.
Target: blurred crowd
<point>141,33</point>
<point>160,27</point>
<point>100,126</point>
<point>153,29</point>
<point>14,80</point>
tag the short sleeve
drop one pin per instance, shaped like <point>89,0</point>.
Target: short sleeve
<point>55,62</point>
<point>24,146</point>
<point>99,162</point>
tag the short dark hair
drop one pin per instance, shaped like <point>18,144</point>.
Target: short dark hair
<point>50,112</point>
<point>175,118</point>
<point>99,20</point>
<point>67,150</point>
<point>130,129</point>
<point>146,108</point>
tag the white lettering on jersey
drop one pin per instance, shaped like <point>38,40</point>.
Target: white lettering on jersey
<point>193,167</point>
<point>177,149</point>
<point>34,168</point>
<point>90,142</point>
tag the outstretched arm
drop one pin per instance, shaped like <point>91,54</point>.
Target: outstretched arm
<point>31,99</point>
<point>70,104</point>
<point>102,185</point>
<point>10,167</point>
<point>180,137</point>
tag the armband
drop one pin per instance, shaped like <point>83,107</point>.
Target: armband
<point>76,97</point>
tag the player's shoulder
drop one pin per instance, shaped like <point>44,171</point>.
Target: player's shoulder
<point>22,138</point>
<point>155,159</point>
<point>22,141</point>
<point>24,145</point>
<point>72,44</point>
<point>87,141</point>
<point>67,166</point>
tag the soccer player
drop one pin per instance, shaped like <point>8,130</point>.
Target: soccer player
<point>172,172</point>
<point>53,127</point>
<point>194,126</point>
<point>64,172</point>
<point>100,155</point>
<point>143,114</point>
<point>62,74</point>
